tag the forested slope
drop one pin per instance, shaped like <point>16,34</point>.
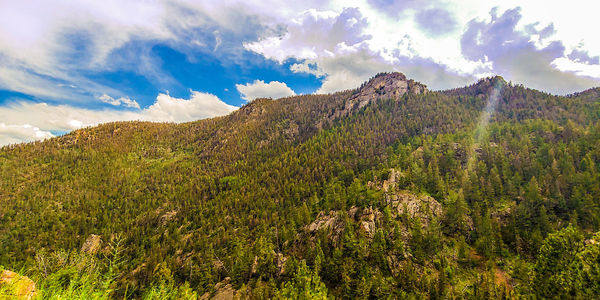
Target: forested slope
<point>388,190</point>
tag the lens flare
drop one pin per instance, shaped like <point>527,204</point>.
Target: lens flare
<point>480,132</point>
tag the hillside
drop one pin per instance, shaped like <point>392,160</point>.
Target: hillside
<point>388,190</point>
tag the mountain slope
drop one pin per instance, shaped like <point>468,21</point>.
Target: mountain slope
<point>237,196</point>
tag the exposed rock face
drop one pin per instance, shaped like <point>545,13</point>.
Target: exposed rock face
<point>333,224</point>
<point>388,86</point>
<point>593,241</point>
<point>382,86</point>
<point>424,207</point>
<point>280,261</point>
<point>166,217</point>
<point>368,219</point>
<point>459,153</point>
<point>92,244</point>
<point>223,291</point>
<point>330,222</point>
<point>17,286</point>
<point>401,203</point>
<point>256,107</point>
<point>390,183</point>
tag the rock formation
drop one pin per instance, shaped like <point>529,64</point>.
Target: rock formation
<point>15,286</point>
<point>424,207</point>
<point>382,86</point>
<point>92,244</point>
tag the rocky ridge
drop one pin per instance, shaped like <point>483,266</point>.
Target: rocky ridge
<point>383,86</point>
<point>401,204</point>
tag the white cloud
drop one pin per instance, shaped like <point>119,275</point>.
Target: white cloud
<point>306,67</point>
<point>260,89</point>
<point>579,68</point>
<point>26,121</point>
<point>40,53</point>
<point>125,101</point>
<point>12,134</point>
<point>346,46</point>
<point>199,106</point>
<point>46,43</point>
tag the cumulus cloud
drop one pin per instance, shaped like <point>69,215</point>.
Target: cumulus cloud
<point>345,51</point>
<point>44,48</point>
<point>522,56</point>
<point>260,89</point>
<point>48,43</point>
<point>26,121</point>
<point>582,56</point>
<point>125,101</point>
<point>307,67</point>
<point>328,43</point>
<point>313,34</point>
<point>47,48</point>
<point>199,106</point>
<point>396,7</point>
<point>436,21</point>
<point>12,134</point>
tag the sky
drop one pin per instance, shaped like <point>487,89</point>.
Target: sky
<point>65,65</point>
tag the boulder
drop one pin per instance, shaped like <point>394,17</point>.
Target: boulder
<point>166,217</point>
<point>16,286</point>
<point>280,261</point>
<point>223,291</point>
<point>92,244</point>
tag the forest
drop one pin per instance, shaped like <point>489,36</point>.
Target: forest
<point>489,191</point>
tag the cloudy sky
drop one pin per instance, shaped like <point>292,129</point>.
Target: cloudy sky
<point>69,64</point>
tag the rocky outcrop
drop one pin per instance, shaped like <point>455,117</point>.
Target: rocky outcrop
<point>167,217</point>
<point>223,291</point>
<point>414,206</point>
<point>388,86</point>
<point>390,183</point>
<point>15,286</point>
<point>382,86</point>
<point>280,261</point>
<point>368,219</point>
<point>331,223</point>
<point>92,244</point>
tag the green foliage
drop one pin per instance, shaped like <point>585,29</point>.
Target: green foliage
<point>305,284</point>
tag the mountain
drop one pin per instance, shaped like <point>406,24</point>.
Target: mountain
<point>387,190</point>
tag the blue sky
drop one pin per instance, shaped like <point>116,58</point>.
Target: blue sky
<point>69,64</point>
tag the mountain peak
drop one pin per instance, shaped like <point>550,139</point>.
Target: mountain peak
<point>391,85</point>
<point>482,87</point>
<point>382,86</point>
<point>492,80</point>
<point>385,86</point>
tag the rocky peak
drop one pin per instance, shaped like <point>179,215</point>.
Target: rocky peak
<point>386,86</point>
<point>482,88</point>
<point>382,86</point>
<point>390,85</point>
<point>256,107</point>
